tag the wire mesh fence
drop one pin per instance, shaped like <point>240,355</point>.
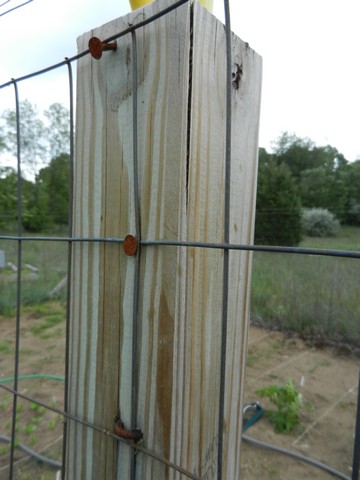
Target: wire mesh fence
<point>21,243</point>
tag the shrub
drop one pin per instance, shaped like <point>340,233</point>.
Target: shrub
<point>319,222</point>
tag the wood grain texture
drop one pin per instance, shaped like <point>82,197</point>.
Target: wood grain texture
<point>181,148</point>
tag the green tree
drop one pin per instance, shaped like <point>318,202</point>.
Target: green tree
<point>39,141</point>
<point>351,177</point>
<point>294,152</point>
<point>35,216</point>
<point>319,173</point>
<point>57,130</point>
<point>32,212</point>
<point>278,206</point>
<point>2,139</point>
<point>322,188</point>
<point>53,184</point>
<point>301,154</point>
<point>8,197</point>
<point>287,140</point>
<point>44,202</point>
<point>44,199</point>
<point>32,135</point>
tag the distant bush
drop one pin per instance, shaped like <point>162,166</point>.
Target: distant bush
<point>319,222</point>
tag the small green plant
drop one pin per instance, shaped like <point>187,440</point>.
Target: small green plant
<point>54,422</point>
<point>39,409</point>
<point>287,400</point>
<point>5,402</point>
<point>5,347</point>
<point>252,357</point>
<point>29,428</point>
<point>4,449</point>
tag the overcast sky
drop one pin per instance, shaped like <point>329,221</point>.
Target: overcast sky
<point>310,50</point>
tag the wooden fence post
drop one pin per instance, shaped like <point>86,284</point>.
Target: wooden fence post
<point>177,195</point>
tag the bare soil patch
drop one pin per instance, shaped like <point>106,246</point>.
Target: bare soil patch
<point>42,353</point>
<point>326,380</point>
<point>328,385</point>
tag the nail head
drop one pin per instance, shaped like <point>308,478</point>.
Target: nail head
<point>97,47</point>
<point>130,245</point>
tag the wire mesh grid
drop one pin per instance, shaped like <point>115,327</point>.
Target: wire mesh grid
<point>20,239</point>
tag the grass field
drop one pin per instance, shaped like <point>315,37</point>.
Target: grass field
<point>50,258</point>
<point>312,295</point>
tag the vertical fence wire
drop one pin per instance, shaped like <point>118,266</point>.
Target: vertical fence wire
<point>134,366</point>
<point>225,290</point>
<point>18,280</point>
<point>356,452</point>
<point>69,262</point>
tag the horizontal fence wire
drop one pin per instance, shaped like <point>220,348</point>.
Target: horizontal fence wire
<point>323,252</point>
<point>226,247</point>
<point>126,31</point>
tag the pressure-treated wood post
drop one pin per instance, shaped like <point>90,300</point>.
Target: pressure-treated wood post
<point>145,338</point>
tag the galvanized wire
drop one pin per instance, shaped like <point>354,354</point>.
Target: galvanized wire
<point>134,354</point>
<point>18,280</point>
<point>126,31</point>
<point>70,245</point>
<point>356,450</point>
<point>323,252</point>
<point>14,8</point>
<point>225,291</point>
<point>68,416</point>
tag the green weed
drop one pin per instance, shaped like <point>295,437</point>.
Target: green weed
<point>251,358</point>
<point>4,449</point>
<point>287,401</point>
<point>54,422</point>
<point>324,362</point>
<point>41,328</point>
<point>42,310</point>
<point>309,406</point>
<point>5,347</point>
<point>5,403</point>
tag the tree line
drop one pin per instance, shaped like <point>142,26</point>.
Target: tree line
<point>298,174</point>
<point>44,153</point>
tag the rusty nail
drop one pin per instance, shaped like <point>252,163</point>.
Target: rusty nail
<point>136,435</point>
<point>97,47</point>
<point>130,245</point>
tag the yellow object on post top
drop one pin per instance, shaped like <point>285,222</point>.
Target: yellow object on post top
<point>140,3</point>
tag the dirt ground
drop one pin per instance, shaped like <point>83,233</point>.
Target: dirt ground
<point>327,382</point>
<point>42,349</point>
